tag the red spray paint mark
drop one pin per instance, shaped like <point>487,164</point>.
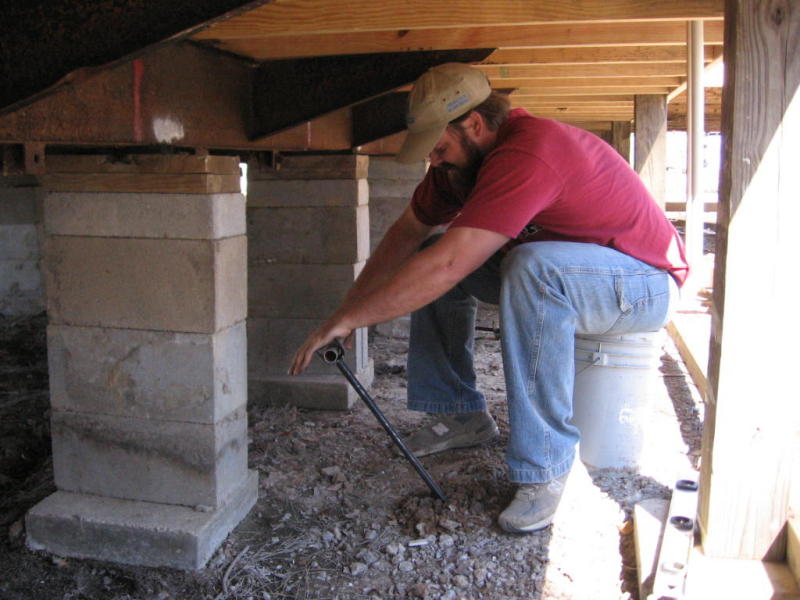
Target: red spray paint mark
<point>138,72</point>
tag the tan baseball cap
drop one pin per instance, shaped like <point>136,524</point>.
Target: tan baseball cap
<point>441,94</point>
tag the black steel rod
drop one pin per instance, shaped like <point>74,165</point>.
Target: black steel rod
<point>333,353</point>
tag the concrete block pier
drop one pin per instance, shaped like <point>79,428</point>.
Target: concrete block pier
<point>20,218</point>
<point>308,238</point>
<point>146,276</point>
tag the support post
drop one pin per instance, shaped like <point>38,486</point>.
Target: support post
<point>621,138</point>
<point>21,290</point>
<point>695,209</point>
<point>391,186</point>
<point>750,443</point>
<point>145,275</point>
<point>650,147</point>
<point>308,233</point>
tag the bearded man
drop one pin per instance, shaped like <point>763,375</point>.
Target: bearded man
<point>543,219</point>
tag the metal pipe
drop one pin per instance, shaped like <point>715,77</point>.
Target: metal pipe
<point>695,207</point>
<point>333,353</point>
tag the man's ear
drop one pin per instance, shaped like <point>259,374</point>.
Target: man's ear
<point>474,122</point>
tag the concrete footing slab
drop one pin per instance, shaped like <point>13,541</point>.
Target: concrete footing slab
<point>319,392</point>
<point>132,532</point>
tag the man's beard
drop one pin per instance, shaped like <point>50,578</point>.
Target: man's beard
<point>463,178</point>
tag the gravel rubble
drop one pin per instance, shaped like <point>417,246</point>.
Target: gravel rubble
<point>341,514</point>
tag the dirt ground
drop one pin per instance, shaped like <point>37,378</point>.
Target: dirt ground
<point>342,515</point>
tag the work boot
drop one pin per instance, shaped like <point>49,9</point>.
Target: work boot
<point>453,431</point>
<point>533,507</point>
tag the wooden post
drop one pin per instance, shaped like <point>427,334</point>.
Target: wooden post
<point>650,148</point>
<point>751,432</point>
<point>621,138</point>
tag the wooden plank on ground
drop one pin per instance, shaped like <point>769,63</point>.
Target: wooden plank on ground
<point>793,547</point>
<point>730,578</point>
<point>690,332</point>
<point>648,522</point>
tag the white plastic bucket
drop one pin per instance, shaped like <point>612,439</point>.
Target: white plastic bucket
<point>614,376</point>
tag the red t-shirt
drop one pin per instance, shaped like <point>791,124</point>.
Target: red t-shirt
<point>546,180</point>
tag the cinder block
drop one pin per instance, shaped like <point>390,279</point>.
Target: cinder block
<point>190,377</point>
<point>19,242</point>
<point>321,235</point>
<point>310,166</point>
<point>170,462</point>
<point>383,212</point>
<point>20,288</point>
<point>385,167</point>
<point>271,344</point>
<point>20,205</point>
<point>392,188</point>
<point>298,291</point>
<point>167,285</point>
<point>137,533</point>
<point>320,392</point>
<point>172,216</point>
<point>310,192</point>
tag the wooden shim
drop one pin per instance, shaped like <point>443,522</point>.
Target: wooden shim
<point>163,183</point>
<point>143,163</point>
<point>326,166</point>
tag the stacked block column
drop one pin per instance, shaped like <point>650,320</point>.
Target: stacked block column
<point>391,186</point>
<point>20,281</point>
<point>308,238</point>
<point>145,272</point>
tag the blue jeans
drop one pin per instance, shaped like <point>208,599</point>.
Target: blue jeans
<point>547,292</point>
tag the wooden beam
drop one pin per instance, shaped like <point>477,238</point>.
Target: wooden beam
<point>289,92</point>
<point>614,117</point>
<point>751,418</point>
<point>42,43</point>
<point>648,69</point>
<point>595,91</point>
<point>587,82</point>
<point>623,107</point>
<point>653,33</point>
<point>600,54</point>
<point>626,100</point>
<point>145,104</point>
<point>621,138</point>
<point>379,118</point>
<point>344,16</point>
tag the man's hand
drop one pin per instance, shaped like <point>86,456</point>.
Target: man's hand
<point>321,336</point>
